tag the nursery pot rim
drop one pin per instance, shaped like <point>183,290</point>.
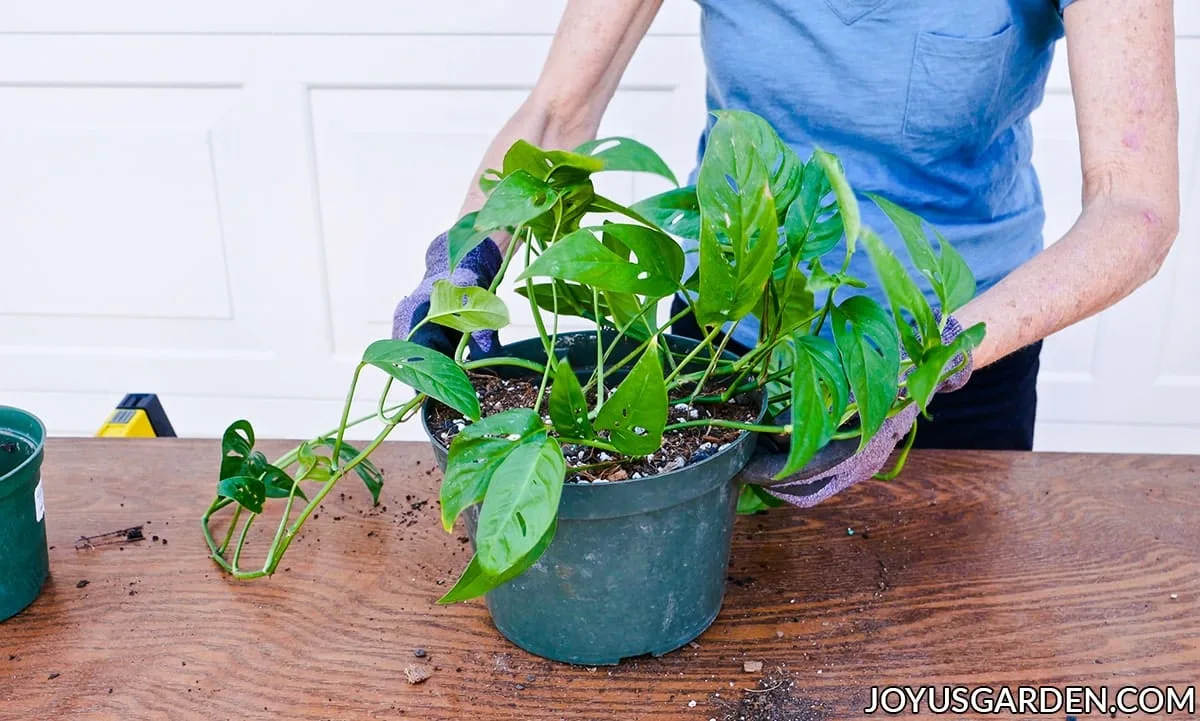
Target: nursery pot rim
<point>39,443</point>
<point>732,446</point>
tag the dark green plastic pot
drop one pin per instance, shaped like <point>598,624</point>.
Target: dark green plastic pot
<point>24,556</point>
<point>636,567</point>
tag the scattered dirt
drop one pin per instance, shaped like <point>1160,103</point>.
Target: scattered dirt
<point>9,447</point>
<point>681,447</point>
<point>82,583</point>
<point>773,699</point>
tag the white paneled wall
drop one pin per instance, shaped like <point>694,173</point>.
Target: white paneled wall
<point>221,203</point>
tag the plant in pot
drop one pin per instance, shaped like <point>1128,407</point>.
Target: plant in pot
<point>599,471</point>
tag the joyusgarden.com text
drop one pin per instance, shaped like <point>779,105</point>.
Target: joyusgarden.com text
<point>1031,700</point>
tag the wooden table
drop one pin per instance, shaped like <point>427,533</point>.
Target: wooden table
<point>983,569</point>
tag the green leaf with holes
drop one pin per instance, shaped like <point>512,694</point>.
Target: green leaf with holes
<point>870,350</point>
<point>237,442</point>
<point>636,413</point>
<point>904,297</point>
<point>477,452</point>
<point>426,371</point>
<point>581,258</point>
<point>819,397</point>
<point>516,200</point>
<point>618,153</point>
<point>676,211</point>
<point>247,491</point>
<point>475,581</point>
<point>568,406</point>
<point>521,503</point>
<point>846,201</point>
<point>466,309</point>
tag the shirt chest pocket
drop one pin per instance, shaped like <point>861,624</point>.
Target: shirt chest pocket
<point>954,87</point>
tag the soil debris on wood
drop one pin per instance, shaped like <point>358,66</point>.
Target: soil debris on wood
<point>417,674</point>
<point>775,698</point>
<point>83,583</point>
<point>680,447</point>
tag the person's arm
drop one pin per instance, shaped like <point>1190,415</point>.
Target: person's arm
<point>1122,64</point>
<point>590,51</point>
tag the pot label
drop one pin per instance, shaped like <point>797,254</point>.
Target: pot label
<point>39,501</point>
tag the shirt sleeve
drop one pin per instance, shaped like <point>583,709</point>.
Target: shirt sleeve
<point>1062,5</point>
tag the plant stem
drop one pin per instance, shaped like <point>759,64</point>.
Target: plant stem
<point>713,363</point>
<point>337,444</point>
<point>590,443</point>
<point>237,551</point>
<point>537,313</point>
<point>706,343</point>
<point>516,362</point>
<point>636,351</point>
<point>722,423</point>
<point>824,312</point>
<point>736,389</point>
<point>900,461</point>
<point>279,548</point>
<point>537,405</point>
<point>237,513</point>
<point>599,349</point>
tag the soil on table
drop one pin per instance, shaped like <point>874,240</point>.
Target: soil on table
<point>775,698</point>
<point>681,447</point>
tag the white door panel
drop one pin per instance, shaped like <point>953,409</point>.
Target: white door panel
<point>221,203</point>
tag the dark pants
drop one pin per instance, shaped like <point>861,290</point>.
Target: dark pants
<point>995,410</point>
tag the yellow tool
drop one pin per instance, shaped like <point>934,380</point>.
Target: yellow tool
<point>138,415</point>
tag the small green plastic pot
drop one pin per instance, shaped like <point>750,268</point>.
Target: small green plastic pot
<point>24,555</point>
<point>636,567</point>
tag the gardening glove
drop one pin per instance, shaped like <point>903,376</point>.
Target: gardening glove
<point>478,268</point>
<point>840,465</point>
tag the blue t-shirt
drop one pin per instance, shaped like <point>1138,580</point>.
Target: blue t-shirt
<point>926,102</point>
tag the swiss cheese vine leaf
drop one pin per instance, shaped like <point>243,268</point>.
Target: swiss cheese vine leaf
<point>247,491</point>
<point>426,371</point>
<point>516,200</point>
<point>618,153</point>
<point>847,204</point>
<point>477,452</point>
<point>737,210</point>
<point>636,413</point>
<point>475,581</point>
<point>580,257</point>
<point>521,503</point>
<point>568,406</point>
<point>466,309</point>
<point>819,396</point>
<point>676,211</point>
<point>870,350</point>
<point>948,274</point>
<point>904,296</point>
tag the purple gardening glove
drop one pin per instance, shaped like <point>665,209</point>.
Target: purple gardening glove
<point>837,466</point>
<point>478,268</point>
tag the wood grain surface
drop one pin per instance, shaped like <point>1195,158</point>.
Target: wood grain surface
<point>981,569</point>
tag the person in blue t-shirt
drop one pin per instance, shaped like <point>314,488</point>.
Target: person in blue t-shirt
<point>927,103</point>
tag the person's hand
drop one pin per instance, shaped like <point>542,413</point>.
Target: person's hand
<point>478,268</point>
<point>840,465</point>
